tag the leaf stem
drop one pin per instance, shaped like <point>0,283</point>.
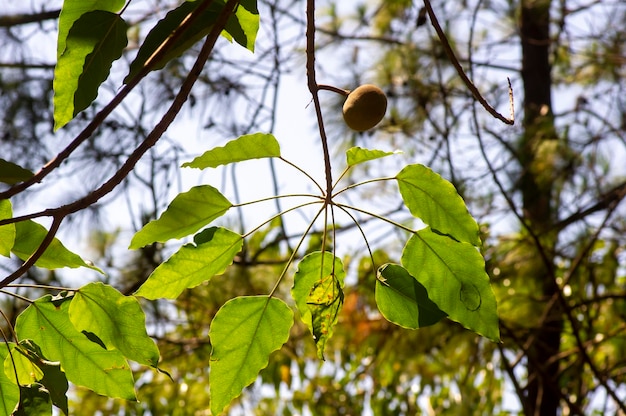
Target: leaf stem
<point>339,91</point>
<point>295,251</point>
<point>387,220</point>
<point>305,173</point>
<point>271,198</point>
<point>354,185</point>
<point>280,214</point>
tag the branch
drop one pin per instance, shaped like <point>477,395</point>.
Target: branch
<point>459,69</point>
<point>61,212</point>
<point>106,111</point>
<point>22,19</point>
<point>606,200</point>
<point>314,88</point>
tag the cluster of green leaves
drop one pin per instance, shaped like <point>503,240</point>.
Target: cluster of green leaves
<point>88,336</point>
<point>442,272</point>
<point>92,35</point>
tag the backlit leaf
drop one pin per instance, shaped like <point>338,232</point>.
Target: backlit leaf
<point>9,391</point>
<point>116,319</point>
<point>251,146</point>
<point>198,29</point>
<point>435,201</point>
<point>185,215</point>
<point>403,300</point>
<point>94,41</point>
<point>193,264</point>
<point>11,173</point>
<point>34,400</point>
<point>325,301</point>
<point>72,10</point>
<point>52,377</point>
<point>244,25</point>
<point>86,363</point>
<point>454,276</point>
<point>356,155</point>
<point>244,332</point>
<point>29,236</point>
<point>7,232</point>
<point>17,366</point>
<point>316,275</point>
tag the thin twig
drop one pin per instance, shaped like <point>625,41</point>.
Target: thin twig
<point>459,69</point>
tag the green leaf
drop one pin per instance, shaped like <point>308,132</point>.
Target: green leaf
<point>244,25</point>
<point>47,323</point>
<point>94,41</point>
<point>251,146</point>
<point>73,10</point>
<point>29,238</point>
<point>193,264</point>
<point>7,232</point>
<point>9,391</point>
<point>116,319</point>
<point>317,276</point>
<point>435,201</point>
<point>164,28</point>
<point>403,300</point>
<point>17,366</point>
<point>244,332</point>
<point>34,401</point>
<point>187,213</point>
<point>454,276</point>
<point>356,155</point>
<point>11,173</point>
<point>52,377</point>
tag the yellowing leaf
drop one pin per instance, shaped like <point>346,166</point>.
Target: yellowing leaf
<point>325,301</point>
<point>317,290</point>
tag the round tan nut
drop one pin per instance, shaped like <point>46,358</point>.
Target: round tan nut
<point>364,107</point>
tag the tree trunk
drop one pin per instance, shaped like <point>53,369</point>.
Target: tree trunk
<point>536,186</point>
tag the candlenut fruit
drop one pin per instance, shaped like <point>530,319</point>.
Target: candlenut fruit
<point>364,107</point>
